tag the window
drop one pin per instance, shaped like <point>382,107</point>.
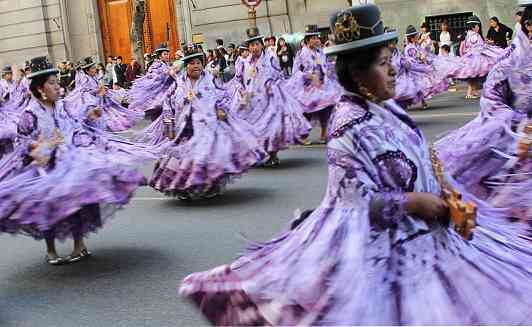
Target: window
<point>457,24</point>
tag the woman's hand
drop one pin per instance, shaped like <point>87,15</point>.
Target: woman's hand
<point>426,206</point>
<point>95,113</point>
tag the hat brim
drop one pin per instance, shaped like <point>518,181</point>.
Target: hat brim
<point>313,34</point>
<point>193,56</point>
<point>255,38</point>
<point>88,65</point>
<point>157,51</point>
<point>369,42</point>
<point>470,22</point>
<point>49,71</point>
<point>412,34</point>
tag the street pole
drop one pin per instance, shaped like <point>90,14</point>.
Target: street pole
<point>252,16</point>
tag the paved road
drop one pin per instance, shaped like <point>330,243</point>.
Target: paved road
<point>140,256</point>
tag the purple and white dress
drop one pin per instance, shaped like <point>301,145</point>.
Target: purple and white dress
<point>310,83</point>
<point>478,57</point>
<point>482,155</point>
<point>359,258</point>
<point>409,90</point>
<point>10,109</point>
<point>208,152</point>
<point>261,100</point>
<point>421,68</point>
<point>86,96</point>
<point>149,91</point>
<point>73,192</point>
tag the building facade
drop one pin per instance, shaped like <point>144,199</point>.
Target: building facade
<point>73,29</point>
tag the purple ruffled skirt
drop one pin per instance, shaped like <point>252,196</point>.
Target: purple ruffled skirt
<point>205,161</point>
<point>72,197</point>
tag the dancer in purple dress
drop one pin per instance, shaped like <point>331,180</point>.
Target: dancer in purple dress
<point>60,182</point>
<point>311,83</point>
<point>148,92</point>
<point>484,155</point>
<point>211,146</point>
<point>90,92</point>
<point>261,100</point>
<point>419,63</point>
<point>477,58</point>
<point>377,250</point>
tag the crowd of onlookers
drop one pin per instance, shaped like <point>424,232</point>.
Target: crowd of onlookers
<point>447,41</point>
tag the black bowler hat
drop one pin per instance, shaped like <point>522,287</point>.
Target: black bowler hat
<point>411,31</point>
<point>194,54</point>
<point>474,21</point>
<point>87,63</point>
<point>253,35</point>
<point>357,28</point>
<point>312,30</point>
<point>162,48</point>
<point>41,67</point>
<point>7,69</point>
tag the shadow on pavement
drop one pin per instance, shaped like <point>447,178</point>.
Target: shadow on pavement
<point>233,195</point>
<point>103,263</point>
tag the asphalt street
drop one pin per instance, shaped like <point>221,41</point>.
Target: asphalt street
<point>140,257</point>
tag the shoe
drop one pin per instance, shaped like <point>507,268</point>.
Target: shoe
<point>76,258</point>
<point>272,162</point>
<point>55,261</point>
<point>306,142</point>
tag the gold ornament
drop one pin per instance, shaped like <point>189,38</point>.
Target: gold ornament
<point>190,95</point>
<point>346,28</point>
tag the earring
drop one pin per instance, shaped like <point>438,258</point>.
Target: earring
<point>367,94</point>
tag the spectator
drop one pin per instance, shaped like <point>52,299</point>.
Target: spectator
<point>200,49</point>
<point>425,41</point>
<point>210,56</point>
<point>109,69</point>
<point>70,76</point>
<point>231,49</point>
<point>120,72</point>
<point>132,72</point>
<point>219,64</point>
<point>101,72</point>
<point>285,55</point>
<point>446,38</point>
<point>269,43</point>
<point>147,61</point>
<point>498,34</point>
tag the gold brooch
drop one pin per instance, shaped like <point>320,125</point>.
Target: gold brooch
<point>190,95</point>
<point>346,28</point>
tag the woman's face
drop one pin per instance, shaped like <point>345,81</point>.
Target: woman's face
<point>529,27</point>
<point>255,48</point>
<point>50,89</point>
<point>423,29</point>
<point>282,42</point>
<point>245,53</point>
<point>194,68</point>
<point>92,71</point>
<point>314,42</point>
<point>444,27</point>
<point>379,79</point>
<point>165,56</point>
<point>493,23</point>
<point>476,28</point>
